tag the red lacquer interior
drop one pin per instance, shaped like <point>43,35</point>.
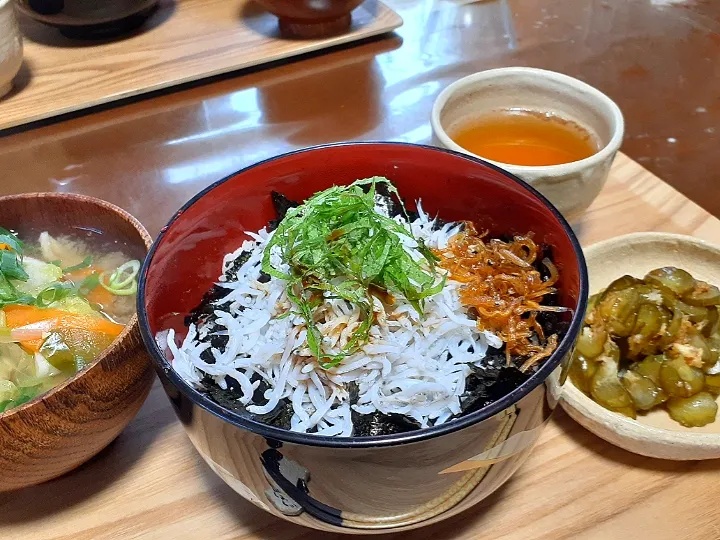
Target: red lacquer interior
<point>189,255</point>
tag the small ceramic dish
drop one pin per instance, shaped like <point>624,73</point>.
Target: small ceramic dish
<point>654,434</point>
<point>571,187</point>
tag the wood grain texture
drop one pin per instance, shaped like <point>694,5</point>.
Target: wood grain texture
<point>75,420</point>
<point>185,40</point>
<point>151,483</point>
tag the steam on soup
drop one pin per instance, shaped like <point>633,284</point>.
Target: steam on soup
<point>64,298</point>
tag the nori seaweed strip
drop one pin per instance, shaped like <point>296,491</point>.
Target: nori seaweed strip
<point>490,382</point>
<point>203,316</point>
<point>282,204</point>
<point>394,209</point>
<point>207,306</point>
<point>391,203</point>
<point>232,270</point>
<point>377,423</point>
<point>551,322</point>
<point>229,399</point>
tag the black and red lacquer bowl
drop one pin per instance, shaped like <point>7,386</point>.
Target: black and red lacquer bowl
<point>357,485</point>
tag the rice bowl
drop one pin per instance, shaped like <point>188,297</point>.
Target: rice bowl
<point>315,474</point>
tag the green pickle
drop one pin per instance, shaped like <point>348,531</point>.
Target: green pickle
<point>712,383</point>
<point>650,367</point>
<point>696,411</point>
<point>695,314</point>
<point>712,328</point>
<point>678,379</point>
<point>619,311</point>
<point>652,343</point>
<point>703,294</point>
<point>651,319</point>
<point>607,389</point>
<point>677,280</point>
<point>581,372</point>
<point>591,341</point>
<point>643,392</point>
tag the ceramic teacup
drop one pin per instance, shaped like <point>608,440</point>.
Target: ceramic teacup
<point>571,187</point>
<point>11,53</point>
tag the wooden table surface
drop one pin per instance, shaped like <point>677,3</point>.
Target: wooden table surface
<point>181,42</point>
<point>656,58</point>
<point>150,483</point>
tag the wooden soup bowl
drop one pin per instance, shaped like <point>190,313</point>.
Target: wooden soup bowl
<point>59,430</point>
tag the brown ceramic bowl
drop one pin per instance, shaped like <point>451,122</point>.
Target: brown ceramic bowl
<point>309,18</point>
<point>65,427</point>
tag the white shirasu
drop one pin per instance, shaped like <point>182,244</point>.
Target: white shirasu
<point>412,365</point>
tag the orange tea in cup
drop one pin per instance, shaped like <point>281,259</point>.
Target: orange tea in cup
<point>525,137</point>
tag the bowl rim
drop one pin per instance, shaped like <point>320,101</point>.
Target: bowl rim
<point>487,76</point>
<point>129,327</point>
<point>310,439</point>
<point>626,428</point>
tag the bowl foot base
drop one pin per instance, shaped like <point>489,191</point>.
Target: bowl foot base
<point>294,28</point>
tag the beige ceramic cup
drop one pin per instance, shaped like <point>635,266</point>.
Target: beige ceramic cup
<point>11,53</point>
<point>571,187</point>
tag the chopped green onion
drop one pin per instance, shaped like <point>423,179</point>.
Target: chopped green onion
<point>88,284</point>
<point>7,289</point>
<point>10,266</point>
<point>123,281</point>
<point>10,295</point>
<point>53,293</point>
<point>87,261</point>
<point>11,240</point>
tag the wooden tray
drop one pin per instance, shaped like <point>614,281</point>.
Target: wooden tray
<point>151,483</point>
<point>185,40</point>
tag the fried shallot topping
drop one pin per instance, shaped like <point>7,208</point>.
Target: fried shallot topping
<point>505,289</point>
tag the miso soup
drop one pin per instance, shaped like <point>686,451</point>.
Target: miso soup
<point>64,297</point>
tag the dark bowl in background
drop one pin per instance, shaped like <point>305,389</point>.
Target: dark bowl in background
<point>89,18</point>
<point>310,18</point>
<point>358,485</point>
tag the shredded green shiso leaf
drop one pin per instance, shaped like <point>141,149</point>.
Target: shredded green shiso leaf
<point>338,246</point>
